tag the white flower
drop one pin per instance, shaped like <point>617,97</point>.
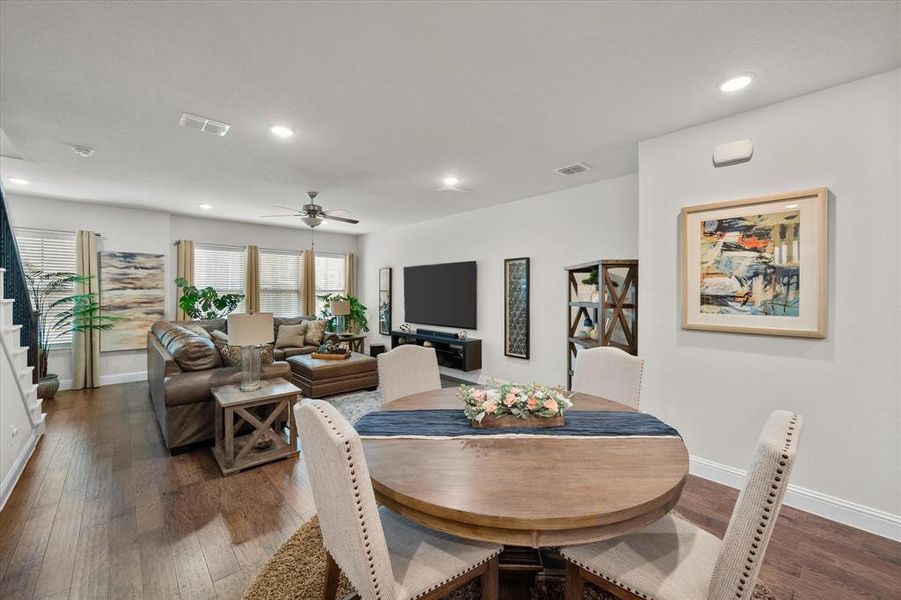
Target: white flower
<point>491,396</point>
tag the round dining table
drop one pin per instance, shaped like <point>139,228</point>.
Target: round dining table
<point>525,490</point>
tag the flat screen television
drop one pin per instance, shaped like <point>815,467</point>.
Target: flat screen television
<point>442,294</point>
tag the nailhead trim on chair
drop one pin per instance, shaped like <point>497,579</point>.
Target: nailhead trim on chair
<point>765,517</point>
<point>640,381</point>
<point>610,579</point>
<point>359,503</point>
<point>449,579</point>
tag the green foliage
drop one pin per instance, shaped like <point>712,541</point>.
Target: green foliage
<point>592,278</point>
<point>74,313</point>
<point>205,303</point>
<point>356,317</point>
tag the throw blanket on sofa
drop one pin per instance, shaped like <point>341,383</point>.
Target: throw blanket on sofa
<point>453,424</point>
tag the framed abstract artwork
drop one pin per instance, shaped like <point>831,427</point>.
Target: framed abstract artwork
<point>516,307</point>
<point>757,265</point>
<point>385,301</point>
<point>133,288</point>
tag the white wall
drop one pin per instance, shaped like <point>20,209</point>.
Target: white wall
<point>597,220</point>
<point>133,230</point>
<point>717,388</point>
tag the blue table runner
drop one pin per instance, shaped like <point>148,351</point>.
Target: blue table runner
<point>447,423</point>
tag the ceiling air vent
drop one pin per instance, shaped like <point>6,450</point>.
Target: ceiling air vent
<point>572,169</point>
<point>189,121</point>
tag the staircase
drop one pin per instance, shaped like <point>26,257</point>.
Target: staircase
<point>21,419</point>
<point>17,357</point>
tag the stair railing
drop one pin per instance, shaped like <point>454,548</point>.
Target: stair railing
<point>15,287</point>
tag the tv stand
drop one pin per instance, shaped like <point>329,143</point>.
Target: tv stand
<point>463,355</point>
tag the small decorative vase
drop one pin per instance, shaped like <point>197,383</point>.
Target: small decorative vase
<point>594,295</point>
<point>594,333</point>
<point>48,386</point>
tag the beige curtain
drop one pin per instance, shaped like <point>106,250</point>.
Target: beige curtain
<point>185,269</point>
<point>252,280</point>
<point>86,345</point>
<point>308,282</point>
<point>350,275</point>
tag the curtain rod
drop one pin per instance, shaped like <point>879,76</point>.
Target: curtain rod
<point>50,230</point>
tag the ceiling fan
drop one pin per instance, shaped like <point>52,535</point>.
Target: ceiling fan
<point>313,215</point>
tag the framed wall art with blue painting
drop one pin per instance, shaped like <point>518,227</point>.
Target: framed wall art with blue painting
<point>516,307</point>
<point>757,265</point>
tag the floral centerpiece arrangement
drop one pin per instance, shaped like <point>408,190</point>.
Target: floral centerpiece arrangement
<point>513,405</point>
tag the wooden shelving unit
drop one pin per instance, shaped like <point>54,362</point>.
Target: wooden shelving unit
<point>611,304</point>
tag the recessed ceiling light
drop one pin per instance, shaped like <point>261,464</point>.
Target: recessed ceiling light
<point>18,181</point>
<point>206,206</point>
<point>281,131</point>
<point>791,206</point>
<point>733,84</point>
<point>450,181</point>
<point>83,151</point>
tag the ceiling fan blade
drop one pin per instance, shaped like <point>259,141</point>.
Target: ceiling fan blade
<point>329,217</point>
<point>288,208</point>
<point>340,212</point>
<point>268,216</point>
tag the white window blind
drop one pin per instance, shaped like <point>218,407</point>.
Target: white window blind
<point>221,268</point>
<point>51,252</point>
<point>329,276</point>
<point>280,286</point>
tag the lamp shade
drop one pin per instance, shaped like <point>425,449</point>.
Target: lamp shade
<point>250,329</point>
<point>340,307</point>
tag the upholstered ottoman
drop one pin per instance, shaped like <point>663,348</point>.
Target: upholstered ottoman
<point>318,378</point>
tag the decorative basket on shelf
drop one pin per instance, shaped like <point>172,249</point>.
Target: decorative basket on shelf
<point>512,405</point>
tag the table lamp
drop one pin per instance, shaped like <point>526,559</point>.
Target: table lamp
<point>340,308</point>
<point>250,331</point>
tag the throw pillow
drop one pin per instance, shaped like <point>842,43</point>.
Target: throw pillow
<point>291,336</point>
<point>231,355</point>
<point>315,331</point>
<point>198,330</point>
<point>219,335</point>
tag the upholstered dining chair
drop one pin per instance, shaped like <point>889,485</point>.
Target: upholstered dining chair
<point>674,559</point>
<point>609,373</point>
<point>406,370</point>
<point>384,556</point>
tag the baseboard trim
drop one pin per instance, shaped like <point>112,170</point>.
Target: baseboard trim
<point>123,377</point>
<point>829,507</point>
<point>9,482</point>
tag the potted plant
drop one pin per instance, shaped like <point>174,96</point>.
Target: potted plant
<point>357,318</point>
<point>79,313</point>
<point>205,303</point>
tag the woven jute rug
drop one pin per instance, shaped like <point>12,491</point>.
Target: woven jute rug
<point>297,571</point>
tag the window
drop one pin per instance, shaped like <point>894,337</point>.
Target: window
<point>51,252</point>
<point>280,283</point>
<point>221,268</point>
<point>329,276</point>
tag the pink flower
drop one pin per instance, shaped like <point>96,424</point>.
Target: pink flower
<point>532,403</point>
<point>515,390</point>
<point>551,404</point>
<point>510,399</point>
<point>490,407</point>
<point>478,395</point>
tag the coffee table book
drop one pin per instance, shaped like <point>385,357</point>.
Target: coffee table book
<point>235,452</point>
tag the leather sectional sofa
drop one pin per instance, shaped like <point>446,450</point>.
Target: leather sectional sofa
<point>182,368</point>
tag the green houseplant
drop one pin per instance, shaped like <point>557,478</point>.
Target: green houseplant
<point>205,303</point>
<point>357,319</point>
<point>77,313</point>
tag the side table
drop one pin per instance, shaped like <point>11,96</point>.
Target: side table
<point>353,341</point>
<point>236,453</point>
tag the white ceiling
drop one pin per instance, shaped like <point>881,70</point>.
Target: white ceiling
<point>387,98</point>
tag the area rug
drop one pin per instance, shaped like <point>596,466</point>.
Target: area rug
<point>297,571</point>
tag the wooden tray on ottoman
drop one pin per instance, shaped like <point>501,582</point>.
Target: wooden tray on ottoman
<point>327,356</point>
<point>491,422</point>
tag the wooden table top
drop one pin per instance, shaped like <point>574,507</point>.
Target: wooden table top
<point>270,389</point>
<point>527,491</point>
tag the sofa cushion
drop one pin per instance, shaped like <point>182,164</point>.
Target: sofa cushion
<point>291,336</point>
<point>315,332</point>
<point>193,352</point>
<point>231,355</point>
<point>197,329</point>
<point>187,388</point>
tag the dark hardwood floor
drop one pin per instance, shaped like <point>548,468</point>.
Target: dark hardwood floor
<point>103,511</point>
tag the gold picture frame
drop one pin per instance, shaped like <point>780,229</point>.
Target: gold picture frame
<point>757,265</point>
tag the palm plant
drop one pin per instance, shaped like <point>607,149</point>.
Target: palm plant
<point>74,312</point>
